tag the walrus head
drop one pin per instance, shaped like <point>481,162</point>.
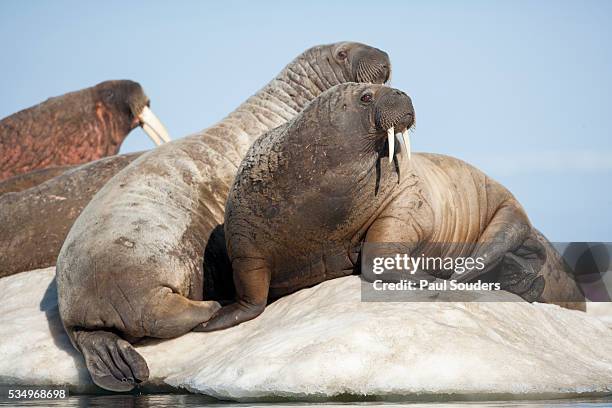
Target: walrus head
<point>347,62</point>
<point>127,100</point>
<point>323,66</point>
<point>361,63</point>
<point>372,115</point>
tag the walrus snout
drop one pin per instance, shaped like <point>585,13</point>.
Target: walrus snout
<point>372,65</point>
<point>405,122</point>
<point>395,115</point>
<point>129,98</point>
<point>394,109</point>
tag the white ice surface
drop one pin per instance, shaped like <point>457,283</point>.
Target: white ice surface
<point>324,341</point>
<point>602,311</point>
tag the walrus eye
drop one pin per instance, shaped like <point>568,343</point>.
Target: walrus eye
<point>109,95</point>
<point>342,54</point>
<point>366,97</point>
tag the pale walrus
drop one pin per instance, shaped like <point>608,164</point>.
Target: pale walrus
<point>131,265</point>
<point>309,193</point>
<point>35,221</point>
<point>77,127</point>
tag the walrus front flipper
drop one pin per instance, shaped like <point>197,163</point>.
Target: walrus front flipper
<point>112,362</point>
<point>252,281</point>
<point>231,315</point>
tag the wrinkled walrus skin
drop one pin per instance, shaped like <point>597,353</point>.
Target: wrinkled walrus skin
<point>74,128</point>
<point>34,222</point>
<point>310,193</point>
<point>132,263</point>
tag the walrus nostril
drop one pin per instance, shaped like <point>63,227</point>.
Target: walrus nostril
<point>405,122</point>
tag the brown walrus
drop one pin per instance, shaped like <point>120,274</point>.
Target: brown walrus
<point>131,265</point>
<point>77,127</point>
<point>24,181</point>
<point>35,222</point>
<point>309,193</point>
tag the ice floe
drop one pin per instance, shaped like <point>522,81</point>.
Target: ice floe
<point>324,342</point>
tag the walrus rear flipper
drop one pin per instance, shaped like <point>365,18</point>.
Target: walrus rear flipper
<point>112,362</point>
<point>506,232</point>
<point>521,275</point>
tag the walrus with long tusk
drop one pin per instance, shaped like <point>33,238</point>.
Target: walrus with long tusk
<point>311,192</point>
<point>77,127</point>
<point>131,265</point>
<point>35,222</point>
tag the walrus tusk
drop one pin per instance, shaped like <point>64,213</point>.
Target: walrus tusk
<point>152,135</point>
<point>399,138</point>
<point>153,126</point>
<point>406,139</point>
<point>391,140</point>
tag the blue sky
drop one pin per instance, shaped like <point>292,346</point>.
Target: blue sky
<point>521,89</point>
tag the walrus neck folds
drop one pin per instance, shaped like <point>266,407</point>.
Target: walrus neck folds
<point>300,82</point>
<point>312,73</point>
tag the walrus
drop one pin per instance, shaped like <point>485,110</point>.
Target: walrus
<point>34,222</point>
<point>131,266</point>
<point>77,127</point>
<point>310,193</point>
<point>33,178</point>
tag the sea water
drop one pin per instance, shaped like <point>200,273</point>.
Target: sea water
<point>195,400</point>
